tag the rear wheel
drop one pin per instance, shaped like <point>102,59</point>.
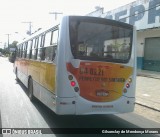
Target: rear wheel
<point>30,90</point>
<point>17,79</point>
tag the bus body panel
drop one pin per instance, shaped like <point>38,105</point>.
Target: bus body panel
<point>65,106</point>
<point>100,82</point>
<point>22,70</point>
<point>43,73</point>
<point>63,54</point>
<point>45,96</point>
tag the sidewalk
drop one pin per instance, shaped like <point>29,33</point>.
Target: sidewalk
<point>150,74</point>
<point>148,89</point>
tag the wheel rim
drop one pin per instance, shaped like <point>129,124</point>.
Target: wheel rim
<point>30,90</point>
<point>16,74</point>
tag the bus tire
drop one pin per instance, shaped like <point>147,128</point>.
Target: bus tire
<point>30,90</point>
<point>17,79</point>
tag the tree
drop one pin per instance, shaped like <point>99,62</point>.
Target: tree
<point>6,51</point>
<point>1,50</point>
<point>12,51</point>
<point>13,45</point>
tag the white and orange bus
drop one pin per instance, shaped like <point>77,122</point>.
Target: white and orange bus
<point>84,65</point>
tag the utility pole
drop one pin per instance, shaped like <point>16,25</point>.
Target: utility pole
<point>5,45</point>
<point>55,14</point>
<point>30,27</point>
<point>8,39</point>
<point>0,43</point>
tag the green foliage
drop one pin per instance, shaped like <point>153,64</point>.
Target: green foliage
<point>6,51</point>
<point>13,45</point>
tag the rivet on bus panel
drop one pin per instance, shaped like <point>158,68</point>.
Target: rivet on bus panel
<point>73,102</point>
<point>54,103</point>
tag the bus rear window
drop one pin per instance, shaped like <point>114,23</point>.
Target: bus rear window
<point>94,40</point>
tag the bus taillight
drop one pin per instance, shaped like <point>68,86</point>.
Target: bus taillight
<point>73,83</point>
<point>129,81</point>
<point>127,85</point>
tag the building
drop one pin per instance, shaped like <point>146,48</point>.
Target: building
<point>145,15</point>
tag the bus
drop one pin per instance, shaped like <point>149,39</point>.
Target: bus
<point>81,66</point>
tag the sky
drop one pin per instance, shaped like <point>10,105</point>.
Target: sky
<point>14,12</point>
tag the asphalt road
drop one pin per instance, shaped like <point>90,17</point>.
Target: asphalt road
<point>16,111</point>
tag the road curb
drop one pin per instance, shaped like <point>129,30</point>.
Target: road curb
<point>149,75</point>
<point>147,106</point>
<point>143,75</point>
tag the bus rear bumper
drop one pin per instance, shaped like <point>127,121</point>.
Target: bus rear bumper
<point>81,106</point>
<point>122,105</point>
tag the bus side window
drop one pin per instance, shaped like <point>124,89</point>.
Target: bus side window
<point>29,49</point>
<point>48,53</point>
<point>54,42</point>
<point>40,42</point>
<point>21,50</point>
<point>18,52</point>
<point>43,53</point>
<point>33,45</point>
<point>34,49</point>
<point>54,39</point>
<point>25,50</point>
<point>47,49</point>
<point>47,39</point>
<point>30,53</point>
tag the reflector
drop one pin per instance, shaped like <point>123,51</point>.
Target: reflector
<point>130,80</point>
<point>125,90</point>
<point>70,77</point>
